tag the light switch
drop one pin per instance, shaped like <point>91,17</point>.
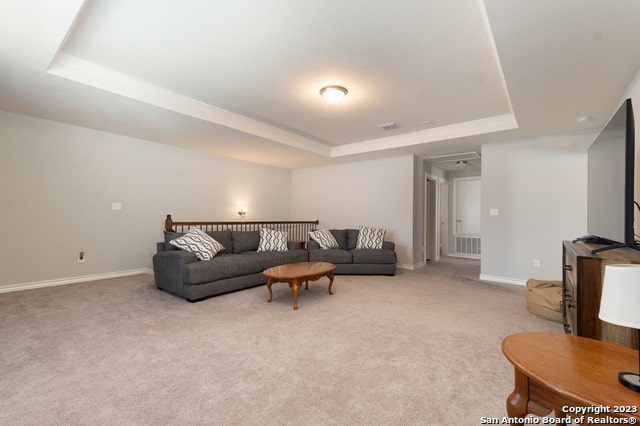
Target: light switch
<point>493,212</point>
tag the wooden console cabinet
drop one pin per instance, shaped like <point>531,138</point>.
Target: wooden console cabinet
<point>582,288</point>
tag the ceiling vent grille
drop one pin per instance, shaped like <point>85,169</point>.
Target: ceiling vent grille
<point>388,126</point>
<point>454,158</point>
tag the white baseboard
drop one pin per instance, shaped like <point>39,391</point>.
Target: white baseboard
<point>408,266</point>
<point>73,280</point>
<point>503,280</point>
<point>465,256</point>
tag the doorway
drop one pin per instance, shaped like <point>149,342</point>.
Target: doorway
<point>466,213</point>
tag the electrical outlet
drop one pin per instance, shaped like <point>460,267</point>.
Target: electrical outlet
<point>81,257</point>
<point>536,263</point>
<point>116,205</point>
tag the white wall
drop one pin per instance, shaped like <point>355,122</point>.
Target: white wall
<point>58,183</point>
<point>539,187</point>
<point>372,193</point>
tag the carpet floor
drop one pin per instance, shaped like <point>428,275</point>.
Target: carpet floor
<point>420,348</point>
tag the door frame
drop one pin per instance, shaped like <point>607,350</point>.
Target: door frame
<point>431,219</point>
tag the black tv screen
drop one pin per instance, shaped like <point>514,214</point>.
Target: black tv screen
<point>611,180</point>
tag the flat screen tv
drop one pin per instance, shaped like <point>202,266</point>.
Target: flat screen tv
<point>610,203</point>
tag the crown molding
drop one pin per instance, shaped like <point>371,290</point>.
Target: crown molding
<point>85,72</point>
<point>458,130</point>
<point>89,73</point>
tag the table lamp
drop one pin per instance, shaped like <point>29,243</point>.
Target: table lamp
<point>620,305</point>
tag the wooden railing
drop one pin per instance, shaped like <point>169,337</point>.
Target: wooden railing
<point>297,230</point>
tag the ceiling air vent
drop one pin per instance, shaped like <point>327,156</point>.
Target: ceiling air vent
<point>388,126</point>
<point>455,158</point>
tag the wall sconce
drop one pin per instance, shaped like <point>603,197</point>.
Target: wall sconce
<point>242,212</point>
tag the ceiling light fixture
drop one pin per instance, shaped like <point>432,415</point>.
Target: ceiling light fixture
<point>461,163</point>
<point>333,94</point>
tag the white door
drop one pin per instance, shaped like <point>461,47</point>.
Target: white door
<point>466,208</point>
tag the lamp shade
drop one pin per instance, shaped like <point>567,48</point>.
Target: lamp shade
<point>620,302</point>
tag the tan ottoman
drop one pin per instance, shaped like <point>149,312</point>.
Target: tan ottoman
<point>544,299</point>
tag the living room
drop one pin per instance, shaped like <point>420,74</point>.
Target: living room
<point>103,185</point>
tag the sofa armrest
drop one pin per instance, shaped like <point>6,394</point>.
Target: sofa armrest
<point>388,245</point>
<point>168,269</point>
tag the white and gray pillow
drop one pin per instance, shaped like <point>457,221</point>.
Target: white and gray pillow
<point>370,238</point>
<point>198,243</point>
<point>272,240</point>
<point>324,238</point>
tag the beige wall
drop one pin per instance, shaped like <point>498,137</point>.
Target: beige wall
<point>539,187</point>
<point>59,181</point>
<point>372,193</point>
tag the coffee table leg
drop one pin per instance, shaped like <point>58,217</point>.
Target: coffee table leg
<point>269,281</point>
<point>518,401</point>
<point>330,275</point>
<point>295,286</point>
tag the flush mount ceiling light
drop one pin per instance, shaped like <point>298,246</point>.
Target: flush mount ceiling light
<point>333,94</point>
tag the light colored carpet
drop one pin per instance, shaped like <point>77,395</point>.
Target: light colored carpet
<point>420,348</point>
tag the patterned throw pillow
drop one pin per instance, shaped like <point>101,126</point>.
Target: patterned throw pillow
<point>198,243</point>
<point>370,238</point>
<point>324,238</point>
<point>271,240</point>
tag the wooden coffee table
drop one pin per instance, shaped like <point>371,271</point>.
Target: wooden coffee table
<point>296,273</point>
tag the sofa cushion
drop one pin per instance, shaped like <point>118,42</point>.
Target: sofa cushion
<point>234,265</point>
<point>312,245</point>
<point>370,238</point>
<point>224,238</point>
<point>352,238</point>
<point>269,259</point>
<point>221,267</point>
<point>324,238</point>
<point>330,255</point>
<point>373,256</point>
<point>341,237</point>
<point>245,241</point>
<point>272,240</point>
<point>198,243</point>
<point>168,236</point>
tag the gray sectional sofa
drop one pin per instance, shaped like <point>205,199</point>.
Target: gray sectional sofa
<point>350,260</point>
<point>238,266</point>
